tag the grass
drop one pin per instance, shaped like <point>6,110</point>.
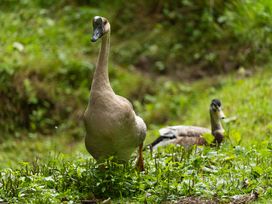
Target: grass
<point>170,174</point>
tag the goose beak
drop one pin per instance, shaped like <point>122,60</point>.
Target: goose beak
<point>98,32</point>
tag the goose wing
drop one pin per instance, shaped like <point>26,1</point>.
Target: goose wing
<point>125,101</point>
<point>141,129</point>
<point>140,124</point>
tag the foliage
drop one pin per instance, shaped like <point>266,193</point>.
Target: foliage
<point>46,54</point>
<point>193,38</point>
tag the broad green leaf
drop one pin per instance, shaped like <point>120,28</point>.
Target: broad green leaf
<point>235,137</point>
<point>209,138</point>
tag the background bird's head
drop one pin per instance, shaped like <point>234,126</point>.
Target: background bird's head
<point>216,109</point>
<point>100,27</point>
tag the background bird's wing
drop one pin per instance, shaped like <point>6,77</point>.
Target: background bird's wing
<point>181,134</point>
<point>189,131</point>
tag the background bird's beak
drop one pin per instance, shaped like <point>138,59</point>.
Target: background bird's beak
<point>221,114</point>
<point>97,33</point>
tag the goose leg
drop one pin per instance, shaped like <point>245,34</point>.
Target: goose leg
<point>140,161</point>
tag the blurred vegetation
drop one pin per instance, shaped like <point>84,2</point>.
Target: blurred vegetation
<point>197,37</point>
<point>46,52</point>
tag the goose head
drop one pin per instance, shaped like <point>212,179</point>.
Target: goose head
<point>101,26</point>
<point>216,110</point>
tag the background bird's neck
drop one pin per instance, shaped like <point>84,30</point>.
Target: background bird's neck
<point>215,124</point>
<point>101,76</point>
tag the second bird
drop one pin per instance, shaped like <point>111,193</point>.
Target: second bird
<point>192,135</point>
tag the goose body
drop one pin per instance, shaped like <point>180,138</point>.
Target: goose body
<point>192,135</point>
<point>112,127</point>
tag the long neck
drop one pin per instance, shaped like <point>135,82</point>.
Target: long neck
<point>215,124</point>
<point>101,80</point>
<point>217,129</point>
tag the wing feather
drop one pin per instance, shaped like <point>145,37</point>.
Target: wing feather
<point>182,134</point>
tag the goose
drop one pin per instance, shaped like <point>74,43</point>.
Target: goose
<point>193,135</point>
<point>112,127</point>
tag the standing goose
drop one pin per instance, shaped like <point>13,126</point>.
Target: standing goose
<point>112,127</point>
<point>192,135</point>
